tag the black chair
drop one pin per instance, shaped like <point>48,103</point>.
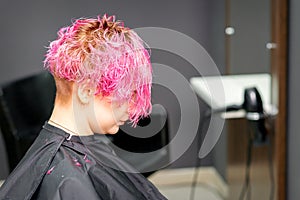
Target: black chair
<point>146,146</point>
<point>25,105</point>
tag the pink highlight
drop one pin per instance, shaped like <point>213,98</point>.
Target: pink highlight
<point>112,56</point>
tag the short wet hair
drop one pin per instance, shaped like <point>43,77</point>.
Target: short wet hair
<point>113,57</point>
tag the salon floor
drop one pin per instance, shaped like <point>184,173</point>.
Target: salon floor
<point>175,184</point>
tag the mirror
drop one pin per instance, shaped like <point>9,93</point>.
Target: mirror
<point>248,51</point>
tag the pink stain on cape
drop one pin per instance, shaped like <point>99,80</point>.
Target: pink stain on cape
<point>50,170</point>
<point>76,162</point>
<point>86,159</point>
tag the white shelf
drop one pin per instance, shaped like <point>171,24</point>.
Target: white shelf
<point>230,91</point>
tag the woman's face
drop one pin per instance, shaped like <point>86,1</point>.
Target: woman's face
<point>108,115</point>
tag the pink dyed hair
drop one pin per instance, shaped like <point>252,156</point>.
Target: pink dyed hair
<point>112,56</point>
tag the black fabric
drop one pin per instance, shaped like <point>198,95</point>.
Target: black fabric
<point>25,104</point>
<point>55,168</point>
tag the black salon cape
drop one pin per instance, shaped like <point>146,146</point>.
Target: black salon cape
<point>55,168</point>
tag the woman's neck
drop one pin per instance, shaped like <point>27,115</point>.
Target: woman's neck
<point>65,118</point>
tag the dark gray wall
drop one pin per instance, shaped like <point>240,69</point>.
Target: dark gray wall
<point>28,26</point>
<point>252,24</point>
<point>293,99</point>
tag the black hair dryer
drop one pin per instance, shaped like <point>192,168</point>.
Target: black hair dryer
<point>255,115</point>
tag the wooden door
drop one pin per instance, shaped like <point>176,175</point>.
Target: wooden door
<point>279,21</point>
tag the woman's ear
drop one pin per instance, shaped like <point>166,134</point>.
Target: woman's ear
<point>85,92</point>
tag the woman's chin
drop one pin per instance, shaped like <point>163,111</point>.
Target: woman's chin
<point>113,130</point>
